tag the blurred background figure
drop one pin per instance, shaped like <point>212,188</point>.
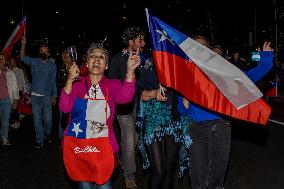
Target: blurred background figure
<point>9,96</point>
<point>218,49</point>
<point>43,90</point>
<point>62,76</point>
<point>24,87</point>
<point>133,39</point>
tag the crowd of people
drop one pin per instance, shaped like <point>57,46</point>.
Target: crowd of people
<point>168,130</point>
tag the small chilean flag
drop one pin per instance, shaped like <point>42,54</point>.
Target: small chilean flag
<point>15,36</point>
<point>87,151</point>
<point>203,76</point>
<point>272,92</point>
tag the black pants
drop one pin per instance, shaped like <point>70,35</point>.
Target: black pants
<point>163,157</point>
<point>210,153</point>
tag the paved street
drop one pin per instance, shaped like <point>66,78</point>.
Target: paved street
<point>256,162</point>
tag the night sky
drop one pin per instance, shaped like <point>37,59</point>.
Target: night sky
<point>67,22</point>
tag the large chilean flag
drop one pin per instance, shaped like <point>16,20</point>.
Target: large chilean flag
<point>14,37</point>
<point>203,76</point>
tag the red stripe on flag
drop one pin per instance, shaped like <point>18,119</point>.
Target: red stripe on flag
<point>185,77</point>
<point>15,36</point>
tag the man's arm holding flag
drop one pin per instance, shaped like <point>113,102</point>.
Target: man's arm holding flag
<point>26,59</point>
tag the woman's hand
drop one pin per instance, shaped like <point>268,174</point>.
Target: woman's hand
<point>73,73</point>
<point>15,104</point>
<point>53,101</point>
<point>266,46</point>
<point>185,103</point>
<point>161,96</point>
<point>148,95</point>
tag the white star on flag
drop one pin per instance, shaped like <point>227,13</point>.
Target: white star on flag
<point>164,36</point>
<point>77,129</point>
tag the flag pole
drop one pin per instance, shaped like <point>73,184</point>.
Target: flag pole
<point>147,15</point>
<point>23,5</point>
<point>102,42</point>
<point>276,88</point>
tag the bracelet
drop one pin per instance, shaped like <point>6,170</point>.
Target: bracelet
<point>66,91</point>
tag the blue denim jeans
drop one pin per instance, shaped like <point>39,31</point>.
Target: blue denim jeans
<point>128,143</point>
<point>91,185</point>
<point>42,115</point>
<point>210,153</point>
<point>5,111</point>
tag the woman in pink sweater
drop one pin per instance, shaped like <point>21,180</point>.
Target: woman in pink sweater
<point>89,141</point>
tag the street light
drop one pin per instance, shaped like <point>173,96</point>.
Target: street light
<point>12,21</point>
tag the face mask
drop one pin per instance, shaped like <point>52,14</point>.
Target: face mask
<point>43,56</point>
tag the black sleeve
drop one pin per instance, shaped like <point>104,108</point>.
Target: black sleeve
<point>59,78</point>
<point>113,68</point>
<point>118,67</point>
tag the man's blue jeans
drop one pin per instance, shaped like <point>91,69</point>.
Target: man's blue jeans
<point>42,115</point>
<point>91,185</point>
<point>5,110</point>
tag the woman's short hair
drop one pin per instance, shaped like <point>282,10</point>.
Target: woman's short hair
<point>98,46</point>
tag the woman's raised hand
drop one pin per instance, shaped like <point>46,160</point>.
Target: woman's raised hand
<point>73,73</point>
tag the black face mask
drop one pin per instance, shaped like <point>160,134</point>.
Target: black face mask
<point>43,56</point>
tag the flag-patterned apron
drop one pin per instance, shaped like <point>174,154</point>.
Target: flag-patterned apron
<point>87,151</point>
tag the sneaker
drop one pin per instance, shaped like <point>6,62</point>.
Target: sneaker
<point>5,142</point>
<point>38,145</point>
<point>130,184</point>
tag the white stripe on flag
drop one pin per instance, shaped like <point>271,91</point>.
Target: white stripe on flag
<point>231,81</point>
<point>11,37</point>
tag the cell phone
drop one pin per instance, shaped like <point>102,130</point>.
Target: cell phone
<point>255,56</point>
<point>72,53</point>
